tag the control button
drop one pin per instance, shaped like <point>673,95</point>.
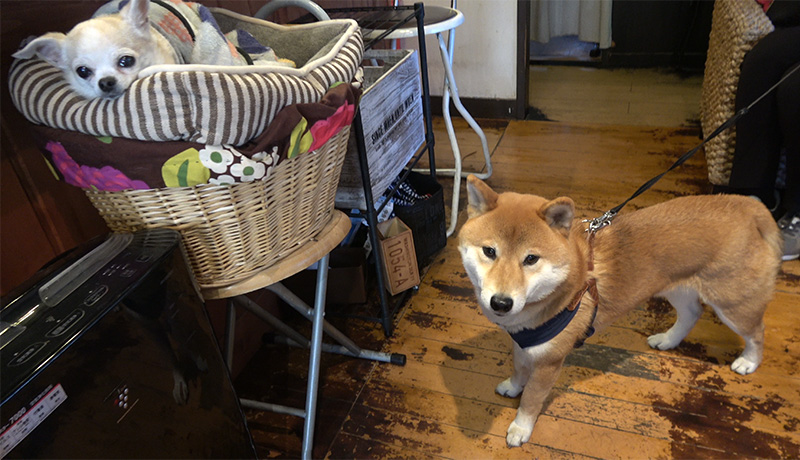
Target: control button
<point>67,323</point>
<point>26,354</point>
<point>95,295</point>
<point>121,399</point>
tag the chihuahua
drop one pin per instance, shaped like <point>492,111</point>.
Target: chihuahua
<point>102,56</point>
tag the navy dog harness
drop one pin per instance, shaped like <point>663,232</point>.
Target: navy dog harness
<point>551,328</point>
<point>531,337</point>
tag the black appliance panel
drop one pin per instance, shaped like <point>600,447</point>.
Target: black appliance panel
<point>125,366</point>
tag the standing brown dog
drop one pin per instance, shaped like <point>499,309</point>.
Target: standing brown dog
<point>529,263</point>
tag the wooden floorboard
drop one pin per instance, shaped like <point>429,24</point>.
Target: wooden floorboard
<point>616,397</point>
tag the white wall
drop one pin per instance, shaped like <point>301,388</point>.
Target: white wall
<point>484,58</point>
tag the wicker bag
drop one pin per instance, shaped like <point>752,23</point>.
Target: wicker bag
<point>736,26</point>
<point>230,232</point>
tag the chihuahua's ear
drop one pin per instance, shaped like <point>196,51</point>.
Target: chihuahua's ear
<point>559,213</point>
<point>48,47</point>
<point>135,13</point>
<point>482,199</point>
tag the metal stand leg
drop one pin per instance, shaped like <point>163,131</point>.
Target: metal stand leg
<point>372,222</point>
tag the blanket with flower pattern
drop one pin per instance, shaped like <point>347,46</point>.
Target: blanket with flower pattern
<point>115,164</point>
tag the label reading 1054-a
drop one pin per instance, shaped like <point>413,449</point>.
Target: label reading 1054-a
<point>29,420</point>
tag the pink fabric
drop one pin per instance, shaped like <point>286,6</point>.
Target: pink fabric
<point>323,130</point>
<point>765,4</point>
<point>105,178</point>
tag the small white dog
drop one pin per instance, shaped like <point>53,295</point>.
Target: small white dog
<point>102,56</point>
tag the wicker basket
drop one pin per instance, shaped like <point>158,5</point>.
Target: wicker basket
<point>230,232</point>
<point>736,27</point>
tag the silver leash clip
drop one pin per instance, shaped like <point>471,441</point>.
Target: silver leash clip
<point>599,222</point>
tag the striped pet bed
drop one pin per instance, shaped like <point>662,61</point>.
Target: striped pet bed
<point>215,105</point>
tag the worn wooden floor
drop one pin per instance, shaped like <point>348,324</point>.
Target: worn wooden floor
<point>637,97</point>
<point>616,398</point>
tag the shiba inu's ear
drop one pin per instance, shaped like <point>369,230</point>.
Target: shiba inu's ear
<point>481,198</point>
<point>559,213</point>
<point>135,13</point>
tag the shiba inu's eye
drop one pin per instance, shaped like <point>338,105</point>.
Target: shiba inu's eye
<point>84,72</point>
<point>126,61</point>
<point>489,252</point>
<point>530,259</point>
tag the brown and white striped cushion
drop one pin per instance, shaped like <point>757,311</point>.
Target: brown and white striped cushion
<point>211,105</point>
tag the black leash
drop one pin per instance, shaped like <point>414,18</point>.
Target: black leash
<point>599,222</point>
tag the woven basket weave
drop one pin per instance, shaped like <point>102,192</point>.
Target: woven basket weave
<point>230,232</point>
<point>736,26</point>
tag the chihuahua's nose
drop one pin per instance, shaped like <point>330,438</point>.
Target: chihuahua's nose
<point>501,304</point>
<point>107,84</point>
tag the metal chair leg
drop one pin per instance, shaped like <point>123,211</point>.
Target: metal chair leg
<point>230,328</point>
<point>315,344</point>
<point>313,360</point>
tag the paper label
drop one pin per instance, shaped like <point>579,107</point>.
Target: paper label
<point>25,421</point>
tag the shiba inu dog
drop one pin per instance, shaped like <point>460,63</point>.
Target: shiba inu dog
<point>538,277</point>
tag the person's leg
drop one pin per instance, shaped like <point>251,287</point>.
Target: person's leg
<point>789,119</point>
<point>758,133</point>
<point>789,116</point>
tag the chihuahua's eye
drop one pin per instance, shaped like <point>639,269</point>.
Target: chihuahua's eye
<point>84,72</point>
<point>127,61</point>
<point>530,259</point>
<point>489,252</point>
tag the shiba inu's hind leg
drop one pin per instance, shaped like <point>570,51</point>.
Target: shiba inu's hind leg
<point>753,352</point>
<point>687,303</point>
<point>750,326</point>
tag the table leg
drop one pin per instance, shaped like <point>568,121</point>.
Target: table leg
<point>451,90</point>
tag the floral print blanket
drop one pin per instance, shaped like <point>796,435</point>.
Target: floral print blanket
<point>115,164</point>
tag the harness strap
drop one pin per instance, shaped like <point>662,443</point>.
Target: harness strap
<point>592,289</point>
<point>531,337</point>
<point>545,332</point>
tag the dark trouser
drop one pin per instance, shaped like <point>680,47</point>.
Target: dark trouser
<point>772,124</point>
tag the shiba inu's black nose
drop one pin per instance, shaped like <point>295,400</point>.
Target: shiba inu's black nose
<point>501,304</point>
<point>107,84</point>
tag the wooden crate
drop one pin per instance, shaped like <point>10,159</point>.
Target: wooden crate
<point>394,129</point>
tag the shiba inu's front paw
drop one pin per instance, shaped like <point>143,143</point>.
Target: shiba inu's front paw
<point>744,366</point>
<point>518,433</point>
<point>508,389</point>
<point>663,341</point>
